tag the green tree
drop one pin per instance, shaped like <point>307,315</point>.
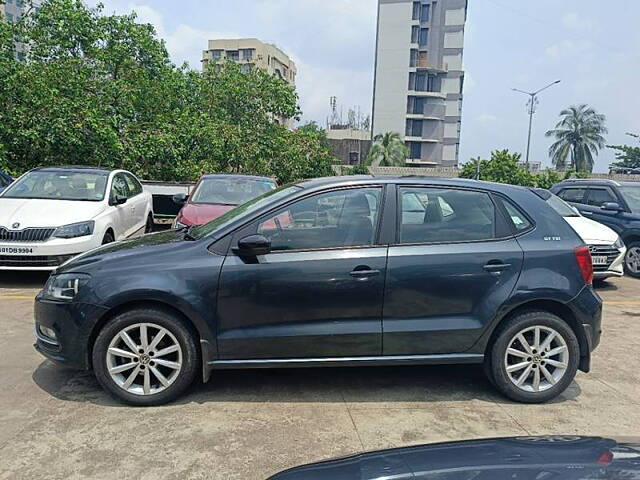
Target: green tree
<point>503,167</point>
<point>388,150</point>
<point>579,135</point>
<point>628,156</point>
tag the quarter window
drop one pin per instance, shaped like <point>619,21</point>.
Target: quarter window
<point>517,218</point>
<point>574,195</point>
<point>600,196</point>
<point>345,218</point>
<point>435,215</point>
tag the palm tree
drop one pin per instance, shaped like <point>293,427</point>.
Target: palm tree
<point>388,150</point>
<point>578,138</point>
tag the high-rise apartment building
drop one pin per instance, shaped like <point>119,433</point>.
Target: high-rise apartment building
<point>252,53</point>
<point>419,77</point>
<point>11,11</point>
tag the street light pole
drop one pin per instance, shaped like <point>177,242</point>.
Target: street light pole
<point>532,104</point>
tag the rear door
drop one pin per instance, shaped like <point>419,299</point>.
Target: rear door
<point>454,263</point>
<point>137,204</point>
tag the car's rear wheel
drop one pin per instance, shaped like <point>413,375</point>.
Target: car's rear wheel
<point>146,357</point>
<point>534,358</point>
<point>632,260</point>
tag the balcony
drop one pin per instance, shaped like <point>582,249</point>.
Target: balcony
<point>421,140</point>
<point>416,93</point>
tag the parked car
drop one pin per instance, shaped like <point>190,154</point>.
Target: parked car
<point>214,195</point>
<point>49,215</point>
<point>615,204</point>
<point>548,457</point>
<point>335,272</point>
<point>5,181</point>
<point>606,246</point>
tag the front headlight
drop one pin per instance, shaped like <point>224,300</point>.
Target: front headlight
<point>619,244</point>
<point>179,225</point>
<point>74,230</point>
<point>64,287</point>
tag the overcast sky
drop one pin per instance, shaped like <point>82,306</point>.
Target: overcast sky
<point>592,46</point>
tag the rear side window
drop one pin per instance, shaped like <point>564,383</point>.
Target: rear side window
<point>439,215</point>
<point>600,196</point>
<point>574,195</point>
<point>517,219</point>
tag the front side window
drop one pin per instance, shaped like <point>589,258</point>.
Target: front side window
<point>600,196</point>
<point>573,195</point>
<point>119,187</point>
<point>134,186</point>
<point>438,215</point>
<point>344,218</point>
<point>59,185</point>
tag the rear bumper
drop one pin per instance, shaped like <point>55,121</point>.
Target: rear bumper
<point>72,324</point>
<point>587,308</point>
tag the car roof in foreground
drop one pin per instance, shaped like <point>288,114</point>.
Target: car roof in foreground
<point>73,169</point>
<point>408,180</point>
<point>238,177</point>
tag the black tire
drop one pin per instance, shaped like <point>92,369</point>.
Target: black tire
<point>148,228</point>
<point>157,316</point>
<point>496,355</point>
<point>627,270</point>
<point>108,238</point>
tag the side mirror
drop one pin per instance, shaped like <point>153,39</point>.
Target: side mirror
<point>575,210</point>
<point>118,200</point>
<point>180,198</point>
<point>252,246</point>
<point>612,207</point>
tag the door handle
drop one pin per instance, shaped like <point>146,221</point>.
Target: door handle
<point>586,213</point>
<point>496,267</point>
<point>364,273</point>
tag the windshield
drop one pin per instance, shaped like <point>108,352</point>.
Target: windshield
<point>632,195</point>
<point>562,207</point>
<point>244,209</point>
<point>60,185</point>
<point>230,191</point>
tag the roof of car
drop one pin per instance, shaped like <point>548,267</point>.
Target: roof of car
<point>73,169</point>
<point>591,181</point>
<point>237,176</point>
<point>407,180</point>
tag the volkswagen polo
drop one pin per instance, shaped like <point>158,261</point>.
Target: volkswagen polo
<point>335,272</point>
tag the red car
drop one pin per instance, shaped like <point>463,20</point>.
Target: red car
<point>214,195</point>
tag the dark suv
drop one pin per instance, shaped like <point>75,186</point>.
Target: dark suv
<point>615,204</point>
<point>335,272</point>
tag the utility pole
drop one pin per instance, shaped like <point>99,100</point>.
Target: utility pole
<point>532,104</point>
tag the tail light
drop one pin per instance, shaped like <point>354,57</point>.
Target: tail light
<point>605,459</point>
<point>583,257</point>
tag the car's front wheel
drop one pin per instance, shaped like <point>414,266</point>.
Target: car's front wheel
<point>534,357</point>
<point>146,357</point>
<point>632,260</point>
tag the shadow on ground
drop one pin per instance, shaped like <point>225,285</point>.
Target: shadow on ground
<point>21,279</point>
<point>382,385</point>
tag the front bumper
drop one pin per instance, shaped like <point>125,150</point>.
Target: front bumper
<point>45,256</point>
<point>72,324</point>
<point>615,261</point>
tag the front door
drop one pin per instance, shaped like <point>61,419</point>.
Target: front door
<point>454,264</point>
<point>596,198</point>
<point>318,293</point>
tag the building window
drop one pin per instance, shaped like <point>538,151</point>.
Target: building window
<point>19,3</point>
<point>424,36</point>
<point>424,13</point>
<point>216,54</point>
<point>421,82</point>
<point>413,60</point>
<point>431,84</point>
<point>9,17</point>
<point>418,106</point>
<point>415,150</point>
<point>246,68</point>
<point>415,34</point>
<point>247,54</point>
<point>233,55</point>
<point>416,10</point>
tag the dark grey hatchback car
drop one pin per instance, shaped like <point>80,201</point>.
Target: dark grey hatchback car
<point>335,272</point>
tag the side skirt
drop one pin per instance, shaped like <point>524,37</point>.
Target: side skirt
<point>447,359</point>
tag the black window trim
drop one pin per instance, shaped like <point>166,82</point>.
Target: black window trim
<point>500,217</point>
<point>243,230</point>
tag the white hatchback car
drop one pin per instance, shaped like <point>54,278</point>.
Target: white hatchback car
<point>52,214</point>
<point>606,246</point>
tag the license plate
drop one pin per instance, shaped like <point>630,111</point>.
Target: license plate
<point>17,251</point>
<point>599,260</point>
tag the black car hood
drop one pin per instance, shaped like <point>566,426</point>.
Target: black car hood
<point>550,457</point>
<point>155,242</point>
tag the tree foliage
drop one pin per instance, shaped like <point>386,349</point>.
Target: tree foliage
<point>579,135</point>
<point>388,150</point>
<point>98,89</point>
<point>628,156</point>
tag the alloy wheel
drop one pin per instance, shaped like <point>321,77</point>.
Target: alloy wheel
<point>536,359</point>
<point>633,260</point>
<point>144,359</point>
